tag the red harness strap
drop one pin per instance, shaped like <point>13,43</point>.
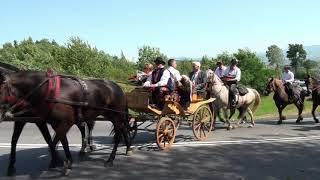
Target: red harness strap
<point>53,89</point>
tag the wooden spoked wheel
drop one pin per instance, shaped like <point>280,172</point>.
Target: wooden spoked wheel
<point>202,122</point>
<point>165,133</point>
<point>133,128</point>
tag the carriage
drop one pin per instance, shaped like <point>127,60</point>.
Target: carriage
<point>167,120</point>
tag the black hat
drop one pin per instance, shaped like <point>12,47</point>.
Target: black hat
<point>159,60</point>
<point>287,67</point>
<point>234,61</point>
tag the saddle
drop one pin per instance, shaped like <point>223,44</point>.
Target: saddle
<point>242,90</point>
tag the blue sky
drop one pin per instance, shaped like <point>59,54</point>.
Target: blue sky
<point>177,27</point>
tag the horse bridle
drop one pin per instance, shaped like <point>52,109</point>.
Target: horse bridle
<point>11,102</point>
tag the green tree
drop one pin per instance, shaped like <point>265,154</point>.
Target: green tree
<point>225,57</point>
<point>309,65</point>
<point>297,55</point>
<point>206,63</point>
<point>254,72</point>
<point>148,54</point>
<point>275,56</point>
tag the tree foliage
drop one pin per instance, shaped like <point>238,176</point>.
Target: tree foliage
<point>148,54</point>
<point>79,58</point>
<point>297,55</point>
<point>275,56</point>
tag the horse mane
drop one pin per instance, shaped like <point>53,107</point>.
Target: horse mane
<point>187,84</point>
<point>213,78</point>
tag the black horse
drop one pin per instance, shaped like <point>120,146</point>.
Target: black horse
<point>313,85</point>
<point>72,106</point>
<point>85,128</point>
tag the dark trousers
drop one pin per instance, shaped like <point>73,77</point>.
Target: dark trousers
<point>158,94</point>
<point>289,90</point>
<point>233,91</point>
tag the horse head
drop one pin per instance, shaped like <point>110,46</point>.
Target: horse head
<point>311,83</point>
<point>270,87</point>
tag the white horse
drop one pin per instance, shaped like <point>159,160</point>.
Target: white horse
<point>219,91</point>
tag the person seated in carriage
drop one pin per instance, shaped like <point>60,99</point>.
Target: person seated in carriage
<point>141,76</point>
<point>288,78</point>
<point>198,79</point>
<point>162,81</point>
<point>231,78</point>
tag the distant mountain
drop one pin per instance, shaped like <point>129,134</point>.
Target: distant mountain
<point>313,52</point>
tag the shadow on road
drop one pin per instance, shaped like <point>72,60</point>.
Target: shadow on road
<point>250,161</point>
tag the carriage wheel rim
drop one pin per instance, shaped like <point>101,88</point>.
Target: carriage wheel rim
<point>202,122</point>
<point>165,133</point>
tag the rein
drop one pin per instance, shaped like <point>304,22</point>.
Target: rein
<point>23,99</point>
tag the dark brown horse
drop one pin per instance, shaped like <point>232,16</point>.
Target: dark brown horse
<point>72,106</point>
<point>313,85</point>
<point>281,98</point>
<point>85,129</point>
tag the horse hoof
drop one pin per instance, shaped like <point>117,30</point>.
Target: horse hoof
<point>316,120</point>
<point>298,121</point>
<point>279,122</point>
<point>66,172</point>
<point>108,164</point>
<point>92,148</point>
<point>129,153</point>
<point>250,126</point>
<point>11,171</point>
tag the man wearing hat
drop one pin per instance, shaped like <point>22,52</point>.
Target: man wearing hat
<point>220,69</point>
<point>197,76</point>
<point>232,76</point>
<point>158,82</point>
<point>288,78</point>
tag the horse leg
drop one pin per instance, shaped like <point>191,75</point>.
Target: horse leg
<point>280,109</point>
<point>55,159</point>
<point>83,127</point>
<point>314,107</point>
<point>61,135</point>
<point>125,133</point>
<point>251,117</point>
<point>18,127</point>
<point>300,109</point>
<point>232,111</point>
<point>242,112</point>
<point>117,137</point>
<point>90,141</point>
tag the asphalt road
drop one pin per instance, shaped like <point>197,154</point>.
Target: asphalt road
<point>267,151</point>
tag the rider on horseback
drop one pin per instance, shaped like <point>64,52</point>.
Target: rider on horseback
<point>231,78</point>
<point>288,78</point>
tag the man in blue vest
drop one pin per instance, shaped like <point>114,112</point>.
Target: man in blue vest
<point>158,82</point>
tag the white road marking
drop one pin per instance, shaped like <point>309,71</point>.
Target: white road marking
<point>184,144</point>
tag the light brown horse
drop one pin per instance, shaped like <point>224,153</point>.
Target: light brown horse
<point>313,85</point>
<point>281,98</point>
<point>218,90</point>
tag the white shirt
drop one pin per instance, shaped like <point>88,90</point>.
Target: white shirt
<point>235,72</point>
<point>163,81</point>
<point>175,73</point>
<point>288,77</point>
<point>220,72</point>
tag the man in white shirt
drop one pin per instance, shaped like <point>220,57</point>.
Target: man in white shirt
<point>288,78</point>
<point>174,74</point>
<point>220,69</point>
<point>158,81</point>
<point>232,76</point>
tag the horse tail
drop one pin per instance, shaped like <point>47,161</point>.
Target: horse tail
<point>257,100</point>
